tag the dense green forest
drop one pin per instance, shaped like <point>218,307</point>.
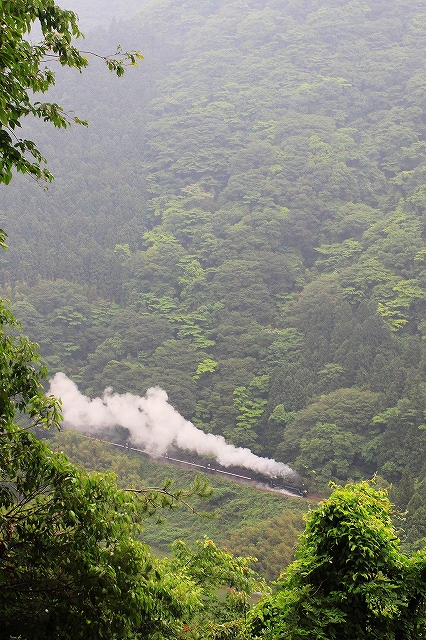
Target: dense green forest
<point>243,225</point>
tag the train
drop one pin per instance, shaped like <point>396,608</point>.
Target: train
<point>291,485</point>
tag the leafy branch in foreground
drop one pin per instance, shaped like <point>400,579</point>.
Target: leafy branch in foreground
<point>22,74</point>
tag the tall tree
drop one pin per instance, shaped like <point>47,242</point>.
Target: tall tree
<point>349,579</point>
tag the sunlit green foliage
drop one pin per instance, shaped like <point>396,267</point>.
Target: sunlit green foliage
<point>349,579</point>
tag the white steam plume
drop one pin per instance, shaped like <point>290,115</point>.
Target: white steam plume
<point>153,424</point>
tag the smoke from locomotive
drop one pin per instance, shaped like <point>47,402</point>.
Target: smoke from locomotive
<point>154,425</point>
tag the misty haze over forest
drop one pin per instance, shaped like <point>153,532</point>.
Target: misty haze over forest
<point>93,13</point>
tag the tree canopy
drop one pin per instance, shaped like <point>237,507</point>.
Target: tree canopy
<point>247,231</point>
<point>70,565</point>
<point>349,579</point>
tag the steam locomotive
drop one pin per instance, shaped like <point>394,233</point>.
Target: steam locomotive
<point>292,485</point>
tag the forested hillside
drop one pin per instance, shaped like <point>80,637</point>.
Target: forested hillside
<point>243,225</point>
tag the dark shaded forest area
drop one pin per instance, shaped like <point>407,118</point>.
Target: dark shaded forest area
<point>243,225</point>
